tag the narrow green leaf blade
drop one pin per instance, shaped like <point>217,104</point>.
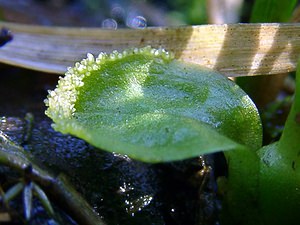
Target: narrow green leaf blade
<point>272,10</point>
<point>13,192</point>
<point>27,200</point>
<point>43,199</point>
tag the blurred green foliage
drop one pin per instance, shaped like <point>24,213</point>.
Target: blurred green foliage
<point>191,12</point>
<point>272,11</point>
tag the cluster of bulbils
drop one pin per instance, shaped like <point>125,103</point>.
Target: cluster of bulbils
<point>61,101</point>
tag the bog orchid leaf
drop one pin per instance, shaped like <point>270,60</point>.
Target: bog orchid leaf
<point>151,107</point>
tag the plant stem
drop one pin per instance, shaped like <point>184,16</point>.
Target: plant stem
<point>290,140</point>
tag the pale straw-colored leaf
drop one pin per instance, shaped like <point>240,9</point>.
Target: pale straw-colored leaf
<point>232,49</point>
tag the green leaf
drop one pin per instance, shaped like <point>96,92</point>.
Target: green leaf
<point>13,192</point>
<point>43,199</point>
<point>27,200</point>
<point>146,104</point>
<point>272,10</point>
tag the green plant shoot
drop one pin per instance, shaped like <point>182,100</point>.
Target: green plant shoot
<point>264,188</point>
<point>272,10</point>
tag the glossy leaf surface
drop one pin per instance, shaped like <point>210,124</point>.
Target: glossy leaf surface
<point>151,107</point>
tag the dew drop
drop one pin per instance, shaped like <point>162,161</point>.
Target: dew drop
<point>137,22</point>
<point>109,24</point>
